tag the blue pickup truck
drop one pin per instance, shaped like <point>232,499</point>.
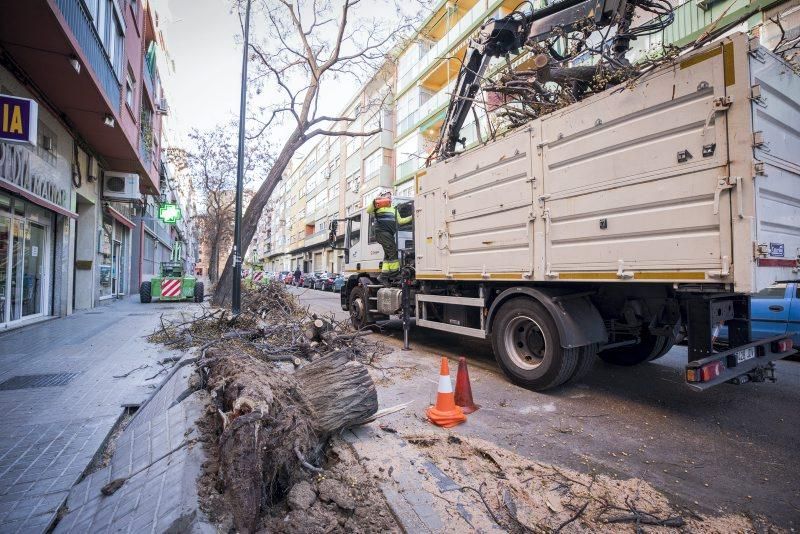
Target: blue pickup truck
<point>776,310</point>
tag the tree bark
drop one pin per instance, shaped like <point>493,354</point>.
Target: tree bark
<point>252,214</point>
<point>213,261</point>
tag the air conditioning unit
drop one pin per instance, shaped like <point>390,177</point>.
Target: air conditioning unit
<point>162,108</point>
<point>121,186</point>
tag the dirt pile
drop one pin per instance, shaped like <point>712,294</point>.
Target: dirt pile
<point>526,496</point>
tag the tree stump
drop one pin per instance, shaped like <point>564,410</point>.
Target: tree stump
<point>276,424</point>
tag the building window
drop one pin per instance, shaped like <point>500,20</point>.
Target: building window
<point>373,163</point>
<point>352,182</point>
<point>350,146</point>
<point>48,144</point>
<point>130,89</point>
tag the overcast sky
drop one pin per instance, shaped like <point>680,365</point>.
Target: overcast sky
<point>202,38</point>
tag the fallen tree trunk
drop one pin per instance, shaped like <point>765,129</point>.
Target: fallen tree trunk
<point>339,390</point>
<point>276,424</point>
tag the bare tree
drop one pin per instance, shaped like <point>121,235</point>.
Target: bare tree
<point>308,46</point>
<point>211,161</point>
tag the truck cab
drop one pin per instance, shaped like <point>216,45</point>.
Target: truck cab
<point>365,256</point>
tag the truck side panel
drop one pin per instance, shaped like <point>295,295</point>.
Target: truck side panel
<point>487,208</point>
<point>776,126</point>
<point>630,179</point>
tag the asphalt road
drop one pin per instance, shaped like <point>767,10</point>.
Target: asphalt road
<point>728,449</point>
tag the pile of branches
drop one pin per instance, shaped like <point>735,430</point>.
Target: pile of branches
<point>272,326</point>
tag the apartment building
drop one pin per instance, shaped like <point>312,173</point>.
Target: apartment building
<point>85,73</point>
<point>332,177</point>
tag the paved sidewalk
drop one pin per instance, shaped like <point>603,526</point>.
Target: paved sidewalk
<point>52,426</point>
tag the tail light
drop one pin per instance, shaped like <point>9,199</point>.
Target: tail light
<point>706,373</point>
<point>783,345</point>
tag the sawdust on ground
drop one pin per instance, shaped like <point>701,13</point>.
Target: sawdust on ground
<point>527,496</point>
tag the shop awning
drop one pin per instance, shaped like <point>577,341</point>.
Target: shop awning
<point>120,218</point>
<point>5,184</point>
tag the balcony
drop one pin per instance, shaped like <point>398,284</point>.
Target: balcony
<point>431,106</point>
<point>41,36</point>
<point>408,168</point>
<point>455,35</point>
<point>147,76</point>
<point>85,33</point>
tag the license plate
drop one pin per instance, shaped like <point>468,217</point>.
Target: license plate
<point>745,354</point>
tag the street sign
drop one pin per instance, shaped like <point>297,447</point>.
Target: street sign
<point>169,213</point>
<point>19,118</point>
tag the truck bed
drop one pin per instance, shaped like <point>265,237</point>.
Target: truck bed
<point>688,177</point>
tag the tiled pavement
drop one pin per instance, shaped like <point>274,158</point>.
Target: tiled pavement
<point>49,435</point>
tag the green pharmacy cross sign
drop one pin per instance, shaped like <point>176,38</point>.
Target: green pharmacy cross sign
<point>169,213</point>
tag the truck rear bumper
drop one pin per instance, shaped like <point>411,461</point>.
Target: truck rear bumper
<point>748,360</point>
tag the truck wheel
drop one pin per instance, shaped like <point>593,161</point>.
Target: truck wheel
<point>358,308</point>
<point>199,292</point>
<point>528,348</point>
<point>668,344</point>
<point>649,348</point>
<point>145,293</point>
<point>586,360</point>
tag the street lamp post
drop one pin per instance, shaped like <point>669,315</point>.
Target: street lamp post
<point>236,295</point>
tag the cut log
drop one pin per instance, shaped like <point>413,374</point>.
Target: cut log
<point>313,329</point>
<point>339,390</point>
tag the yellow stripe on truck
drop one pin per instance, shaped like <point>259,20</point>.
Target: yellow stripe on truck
<point>602,275</point>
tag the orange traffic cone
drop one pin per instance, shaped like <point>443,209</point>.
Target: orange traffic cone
<point>463,389</point>
<point>445,413</point>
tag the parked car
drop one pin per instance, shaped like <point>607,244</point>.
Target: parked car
<point>338,283</point>
<point>325,281</point>
<point>775,310</point>
<point>309,279</point>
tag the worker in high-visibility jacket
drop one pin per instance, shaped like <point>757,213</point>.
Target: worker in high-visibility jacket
<point>387,219</point>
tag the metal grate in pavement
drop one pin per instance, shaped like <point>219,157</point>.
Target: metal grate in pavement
<point>138,314</point>
<point>37,381</point>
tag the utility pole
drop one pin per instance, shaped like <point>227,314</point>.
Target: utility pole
<point>236,295</point>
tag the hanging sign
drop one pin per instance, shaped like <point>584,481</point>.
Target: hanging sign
<point>169,213</point>
<point>18,119</point>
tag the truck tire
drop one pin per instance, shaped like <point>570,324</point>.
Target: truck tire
<point>586,360</point>
<point>358,307</point>
<point>668,344</point>
<point>199,292</point>
<point>648,348</point>
<point>145,293</point>
<point>527,346</point>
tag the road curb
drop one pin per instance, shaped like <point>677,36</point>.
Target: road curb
<point>150,482</point>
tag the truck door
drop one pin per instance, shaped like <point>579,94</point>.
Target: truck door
<point>776,117</point>
<point>429,232</point>
<point>631,179</point>
<point>769,310</point>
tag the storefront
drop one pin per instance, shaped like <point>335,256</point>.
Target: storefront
<point>114,254</point>
<point>26,255</point>
<point>36,210</point>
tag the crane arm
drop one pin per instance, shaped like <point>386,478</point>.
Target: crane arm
<point>499,37</point>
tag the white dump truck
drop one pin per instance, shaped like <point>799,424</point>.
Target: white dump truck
<point>612,228</point>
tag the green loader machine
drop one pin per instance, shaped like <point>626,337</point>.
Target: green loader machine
<point>173,283</point>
